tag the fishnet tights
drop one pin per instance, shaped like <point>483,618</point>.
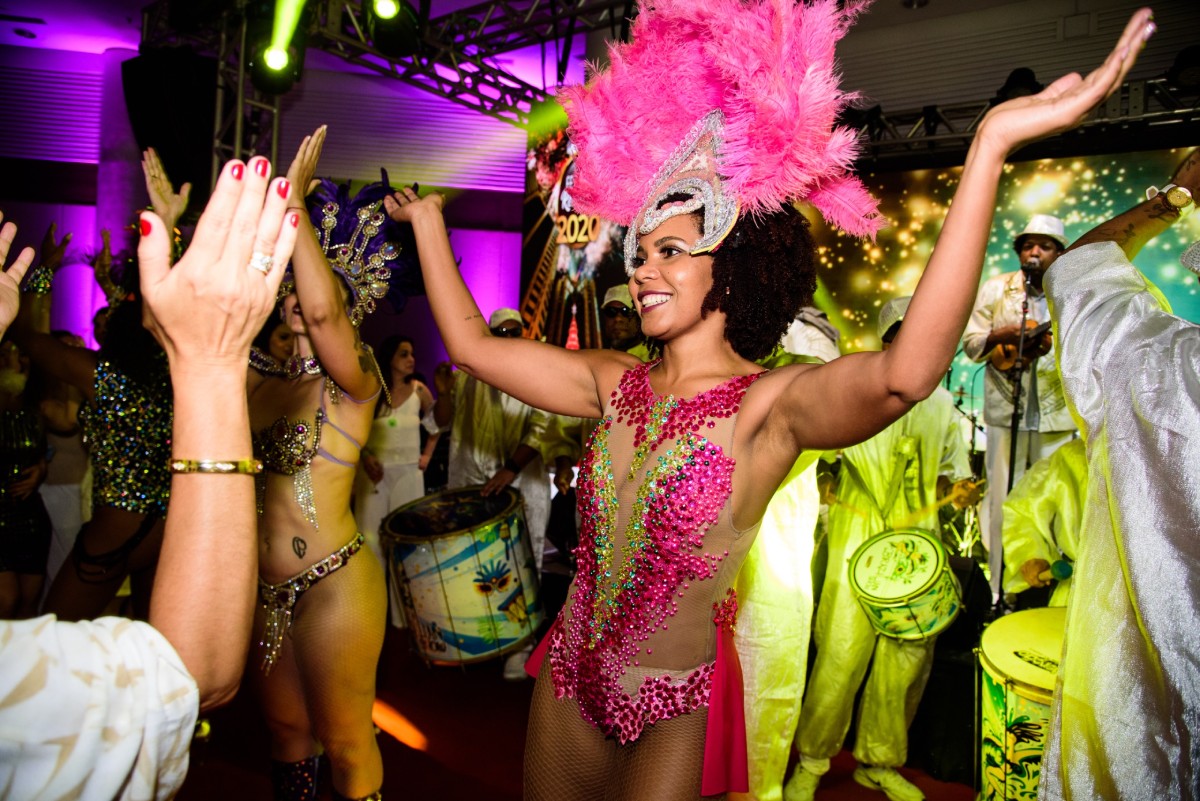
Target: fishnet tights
<point>567,759</point>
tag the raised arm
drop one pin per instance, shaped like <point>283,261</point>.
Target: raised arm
<point>335,340</point>
<point>542,375</point>
<point>11,275</point>
<point>854,397</point>
<point>31,329</point>
<point>205,311</point>
<point>1132,229</point>
<point>167,203</point>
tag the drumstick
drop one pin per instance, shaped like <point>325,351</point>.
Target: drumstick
<point>917,514</point>
<point>1061,570</point>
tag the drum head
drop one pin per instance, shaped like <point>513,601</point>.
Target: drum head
<point>1024,649</point>
<point>448,513</point>
<point>896,565</point>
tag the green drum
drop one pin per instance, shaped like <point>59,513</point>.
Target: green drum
<point>903,581</point>
<point>465,572</point>
<point>1019,655</point>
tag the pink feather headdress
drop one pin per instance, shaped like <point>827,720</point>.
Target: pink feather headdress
<point>741,93</point>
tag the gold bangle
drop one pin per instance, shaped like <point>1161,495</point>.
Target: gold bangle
<point>221,466</point>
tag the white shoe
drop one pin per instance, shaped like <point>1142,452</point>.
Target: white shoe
<point>514,666</point>
<point>802,786</point>
<point>893,785</point>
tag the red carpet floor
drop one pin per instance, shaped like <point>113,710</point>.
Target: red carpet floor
<point>474,723</point>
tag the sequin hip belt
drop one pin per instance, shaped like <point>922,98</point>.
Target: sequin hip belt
<point>280,599</point>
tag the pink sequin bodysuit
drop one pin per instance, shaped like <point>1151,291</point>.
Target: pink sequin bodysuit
<point>658,553</point>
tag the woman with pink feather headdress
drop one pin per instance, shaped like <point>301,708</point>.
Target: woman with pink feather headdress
<point>698,136</point>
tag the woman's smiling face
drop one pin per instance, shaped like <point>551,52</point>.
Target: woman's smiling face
<point>669,284</point>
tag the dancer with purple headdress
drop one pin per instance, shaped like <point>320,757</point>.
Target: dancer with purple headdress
<point>699,136</point>
<point>322,606</point>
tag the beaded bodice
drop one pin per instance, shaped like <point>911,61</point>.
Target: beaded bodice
<point>283,445</point>
<point>127,430</point>
<point>657,550</point>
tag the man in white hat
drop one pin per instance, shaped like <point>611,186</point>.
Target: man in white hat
<point>892,480</point>
<point>619,323</point>
<point>994,335</point>
<point>498,441</point>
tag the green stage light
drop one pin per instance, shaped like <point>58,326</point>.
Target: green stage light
<point>386,9</point>
<point>275,58</point>
<point>276,38</point>
<point>393,26</point>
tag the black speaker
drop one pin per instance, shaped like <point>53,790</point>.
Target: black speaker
<point>943,734</point>
<point>171,97</point>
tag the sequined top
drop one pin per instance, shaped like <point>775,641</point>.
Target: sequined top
<point>127,429</point>
<point>282,445</point>
<point>658,553</point>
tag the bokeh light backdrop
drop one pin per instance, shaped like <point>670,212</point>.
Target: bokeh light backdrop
<point>857,277</point>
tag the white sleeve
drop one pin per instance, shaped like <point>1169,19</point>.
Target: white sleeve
<point>101,709</point>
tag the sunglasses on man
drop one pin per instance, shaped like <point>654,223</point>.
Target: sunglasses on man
<point>513,333</point>
<point>613,312</point>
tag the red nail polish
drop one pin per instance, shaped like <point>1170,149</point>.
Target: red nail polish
<point>294,219</point>
<point>283,188</point>
<point>262,167</point>
<point>144,225</point>
<point>236,171</point>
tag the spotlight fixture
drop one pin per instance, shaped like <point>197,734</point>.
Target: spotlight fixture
<point>276,39</point>
<point>386,9</point>
<point>1021,82</point>
<point>393,27</point>
<point>276,58</point>
<point>1185,71</point>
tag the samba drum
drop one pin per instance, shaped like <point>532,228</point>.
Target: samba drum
<point>465,572</point>
<point>903,581</point>
<point>1019,655</point>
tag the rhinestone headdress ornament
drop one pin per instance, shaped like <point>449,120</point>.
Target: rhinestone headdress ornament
<point>725,105</point>
<point>364,246</point>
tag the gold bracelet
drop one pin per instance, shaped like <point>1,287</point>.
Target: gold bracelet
<point>221,466</point>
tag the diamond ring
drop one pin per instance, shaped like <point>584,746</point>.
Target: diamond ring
<point>261,262</point>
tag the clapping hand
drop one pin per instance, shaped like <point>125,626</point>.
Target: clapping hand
<point>11,276</point>
<point>167,203</point>
<point>208,307</point>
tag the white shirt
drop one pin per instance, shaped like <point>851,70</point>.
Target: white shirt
<point>95,711</point>
<point>998,305</point>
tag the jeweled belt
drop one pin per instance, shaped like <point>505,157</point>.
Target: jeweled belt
<point>280,599</point>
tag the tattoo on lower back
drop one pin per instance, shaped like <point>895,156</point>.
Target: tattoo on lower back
<point>299,547</point>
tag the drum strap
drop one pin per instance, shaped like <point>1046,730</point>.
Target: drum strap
<point>280,599</point>
<point>905,471</point>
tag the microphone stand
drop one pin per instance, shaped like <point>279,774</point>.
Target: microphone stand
<point>1015,375</point>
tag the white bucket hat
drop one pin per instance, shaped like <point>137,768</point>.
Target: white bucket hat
<point>1045,225</point>
<point>503,315</point>
<point>892,312</point>
<point>619,293</point>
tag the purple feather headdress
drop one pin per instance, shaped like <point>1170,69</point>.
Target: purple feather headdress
<point>739,94</point>
<point>372,253</point>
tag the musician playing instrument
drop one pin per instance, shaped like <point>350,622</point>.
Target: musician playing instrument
<point>1041,522</point>
<point>1005,305</point>
<point>891,480</point>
